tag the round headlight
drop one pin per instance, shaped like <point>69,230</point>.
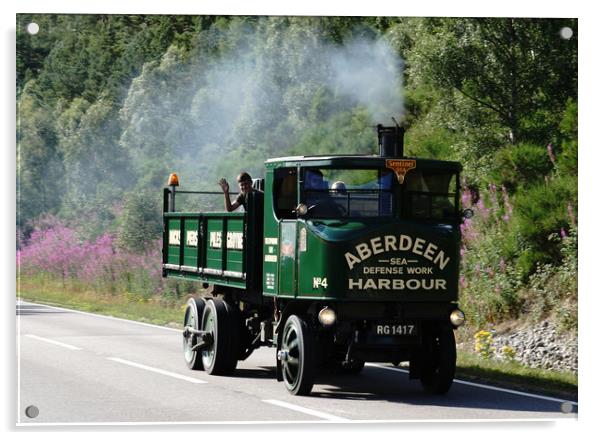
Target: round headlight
<point>327,317</point>
<point>457,317</point>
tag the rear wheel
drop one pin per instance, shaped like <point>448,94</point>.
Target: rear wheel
<point>297,356</point>
<point>438,362</point>
<point>192,319</point>
<point>221,321</point>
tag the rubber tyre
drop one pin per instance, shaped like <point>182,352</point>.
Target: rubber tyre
<point>192,317</point>
<point>299,369</point>
<point>235,336</point>
<point>438,365</point>
<point>220,358</point>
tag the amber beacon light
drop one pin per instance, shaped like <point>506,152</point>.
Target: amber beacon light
<point>173,180</point>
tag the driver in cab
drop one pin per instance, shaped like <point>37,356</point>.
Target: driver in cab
<point>317,197</point>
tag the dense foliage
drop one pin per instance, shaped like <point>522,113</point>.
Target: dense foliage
<point>108,106</point>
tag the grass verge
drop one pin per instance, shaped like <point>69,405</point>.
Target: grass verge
<point>470,366</point>
<point>516,376</point>
<point>152,310</point>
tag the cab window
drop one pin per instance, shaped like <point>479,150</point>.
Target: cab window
<point>285,193</point>
<point>430,195</point>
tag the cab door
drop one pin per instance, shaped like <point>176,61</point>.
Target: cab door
<point>288,258</point>
<point>280,229</point>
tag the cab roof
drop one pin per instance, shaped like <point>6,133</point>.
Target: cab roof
<point>355,161</point>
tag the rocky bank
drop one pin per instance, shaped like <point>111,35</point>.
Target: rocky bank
<point>541,346</point>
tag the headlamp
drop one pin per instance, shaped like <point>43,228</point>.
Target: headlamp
<point>457,317</point>
<point>327,316</point>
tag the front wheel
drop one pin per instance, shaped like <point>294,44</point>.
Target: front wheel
<point>296,355</point>
<point>438,361</point>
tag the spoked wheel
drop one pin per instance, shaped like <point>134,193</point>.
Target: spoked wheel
<point>220,320</point>
<point>297,356</point>
<point>192,318</point>
<point>438,364</point>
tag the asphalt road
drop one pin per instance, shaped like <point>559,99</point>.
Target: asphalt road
<point>78,368</point>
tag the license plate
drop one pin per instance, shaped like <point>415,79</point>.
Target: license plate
<point>405,329</point>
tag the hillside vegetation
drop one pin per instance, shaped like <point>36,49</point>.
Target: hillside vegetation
<point>108,106</point>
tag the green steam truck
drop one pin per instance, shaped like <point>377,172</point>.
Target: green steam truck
<point>337,261</point>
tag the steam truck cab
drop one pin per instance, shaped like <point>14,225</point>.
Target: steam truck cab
<point>341,260</point>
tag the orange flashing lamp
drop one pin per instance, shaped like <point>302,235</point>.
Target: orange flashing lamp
<point>173,180</point>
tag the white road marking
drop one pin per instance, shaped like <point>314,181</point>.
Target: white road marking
<point>157,370</point>
<point>487,387</point>
<point>50,341</point>
<point>308,411</point>
<point>371,364</point>
<point>102,316</point>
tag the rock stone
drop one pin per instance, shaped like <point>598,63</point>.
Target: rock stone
<point>542,346</point>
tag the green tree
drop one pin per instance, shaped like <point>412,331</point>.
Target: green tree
<point>40,170</point>
<point>567,159</point>
<point>510,67</point>
<point>140,223</point>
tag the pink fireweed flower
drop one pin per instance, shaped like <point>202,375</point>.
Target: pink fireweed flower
<point>493,196</point>
<point>463,282</point>
<point>489,272</point>
<point>563,234</point>
<point>551,153</point>
<point>483,209</point>
<point>466,198</point>
<point>569,209</point>
<point>507,204</point>
<point>468,232</point>
<point>56,250</point>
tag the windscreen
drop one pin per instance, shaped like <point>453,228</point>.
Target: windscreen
<point>359,193</point>
<point>335,193</point>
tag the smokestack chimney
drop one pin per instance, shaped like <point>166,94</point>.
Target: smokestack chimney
<point>390,141</point>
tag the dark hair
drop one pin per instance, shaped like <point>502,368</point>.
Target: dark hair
<point>244,177</point>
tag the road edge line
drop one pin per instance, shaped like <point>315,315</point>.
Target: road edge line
<point>307,411</point>
<point>103,316</point>
<point>52,341</point>
<point>488,387</point>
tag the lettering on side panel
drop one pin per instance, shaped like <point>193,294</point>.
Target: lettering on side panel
<point>174,237</point>
<point>192,238</point>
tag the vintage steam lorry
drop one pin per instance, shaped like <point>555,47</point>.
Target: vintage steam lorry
<point>337,261</point>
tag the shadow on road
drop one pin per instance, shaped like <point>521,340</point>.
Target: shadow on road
<point>376,384</point>
<point>262,373</point>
